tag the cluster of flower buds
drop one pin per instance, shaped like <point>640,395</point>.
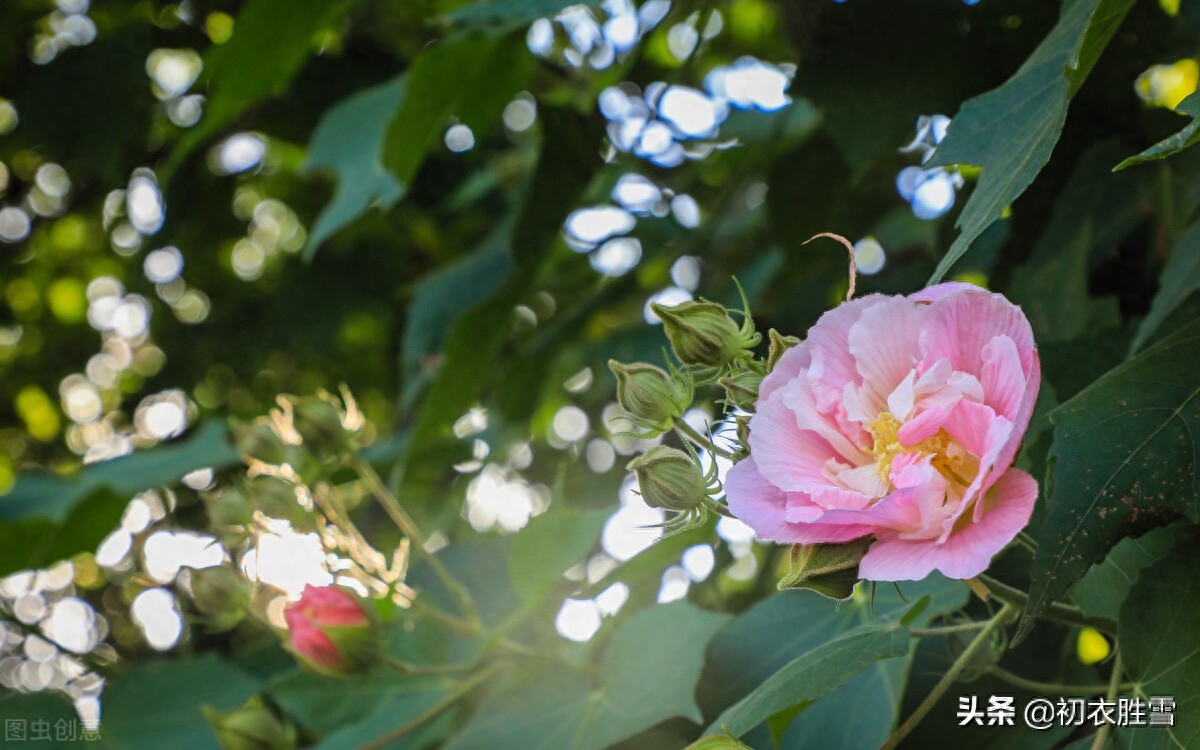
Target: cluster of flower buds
<point>712,348</point>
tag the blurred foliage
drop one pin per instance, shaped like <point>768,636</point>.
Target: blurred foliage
<point>208,203</point>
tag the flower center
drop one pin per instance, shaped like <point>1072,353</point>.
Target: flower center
<point>948,456</point>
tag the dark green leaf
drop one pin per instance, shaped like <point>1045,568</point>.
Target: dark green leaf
<point>813,674</point>
<point>550,544</point>
<point>1153,635</point>
<point>323,705</point>
<point>507,13</point>
<point>1180,277</point>
<point>647,674</point>
<point>349,141</point>
<point>157,704</point>
<point>1103,589</point>
<point>272,40</point>
<point>1175,143</point>
<point>1125,461</point>
<point>570,158</point>
<point>1011,130</point>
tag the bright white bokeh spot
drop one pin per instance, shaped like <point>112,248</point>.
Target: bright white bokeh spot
<point>520,114</point>
<point>165,553</point>
<point>685,272</point>
<point>622,31</point>
<point>734,531</point>
<point>199,479</point>
<point>131,317</point>
<point>186,111</point>
<point>682,39</point>
<point>632,528</point>
<point>163,265</point>
<point>616,257</point>
<point>934,196</point>
<point>240,152</point>
<point>636,193</point>
<point>601,456</point>
<point>691,112</point>
<point>578,620</point>
<point>113,549</point>
<point>610,601</point>
<point>459,138</point>
<point>80,399</point>
<point>287,561</point>
<point>908,180</point>
<point>594,225</point>
<point>14,224</point>
<point>540,38</point>
<point>675,585</point>
<point>161,419</point>
<point>653,138</point>
<point>570,423</point>
<point>71,625</point>
<point>144,203</point>
<point>869,256</point>
<point>173,71</point>
<point>155,613</point>
<point>497,499</point>
<point>686,211</point>
<point>53,180</point>
<point>668,297</point>
<point>750,84</point>
<point>698,562</point>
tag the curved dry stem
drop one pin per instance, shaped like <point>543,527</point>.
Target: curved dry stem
<point>849,248</point>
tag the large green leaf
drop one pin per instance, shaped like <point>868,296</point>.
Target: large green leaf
<point>812,675</point>
<point>1011,131</point>
<point>47,518</point>
<point>157,704</point>
<point>1094,213</point>
<point>1175,143</point>
<point>1157,639</point>
<point>647,674</point>
<point>272,40</point>
<point>507,13</point>
<point>1180,277</point>
<point>550,544</point>
<point>1125,461</point>
<point>1103,589</point>
<point>349,141</point>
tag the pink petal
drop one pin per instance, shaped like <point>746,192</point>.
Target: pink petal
<point>925,425</point>
<point>968,551</point>
<point>789,457</point>
<point>800,399</point>
<point>1006,455</point>
<point>1003,378</point>
<point>959,325</point>
<point>885,343</point>
<point>764,507</point>
<point>790,365</point>
<point>832,364</point>
<point>936,292</point>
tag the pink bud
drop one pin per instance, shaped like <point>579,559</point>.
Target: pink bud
<point>331,631</point>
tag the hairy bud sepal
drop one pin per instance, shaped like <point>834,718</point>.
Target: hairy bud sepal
<point>831,570</point>
<point>653,397</point>
<point>703,335</point>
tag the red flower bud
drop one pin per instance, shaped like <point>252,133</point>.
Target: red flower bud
<point>332,631</point>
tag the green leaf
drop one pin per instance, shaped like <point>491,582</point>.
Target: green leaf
<point>1125,461</point>
<point>349,141</point>
<point>507,13</point>
<point>1180,277</point>
<point>47,518</point>
<point>647,674</point>
<point>1094,213</point>
<point>157,704</point>
<point>272,39</point>
<point>1163,661</point>
<point>1175,143</point>
<point>442,82</point>
<point>549,545</point>
<point>813,674</point>
<point>788,625</point>
<point>1011,130</point>
<point>323,705</point>
<point>1103,589</point>
<point>569,159</point>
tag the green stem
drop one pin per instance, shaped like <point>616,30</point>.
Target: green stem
<point>686,430</point>
<point>447,701</point>
<point>471,630</point>
<point>964,627</point>
<point>1114,689</point>
<point>408,527</point>
<point>1027,541</point>
<point>1051,688</point>
<point>998,621</point>
<point>1057,612</point>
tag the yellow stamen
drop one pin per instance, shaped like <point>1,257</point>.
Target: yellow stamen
<point>947,456</point>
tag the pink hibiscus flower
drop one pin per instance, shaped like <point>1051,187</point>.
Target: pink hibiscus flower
<point>898,417</point>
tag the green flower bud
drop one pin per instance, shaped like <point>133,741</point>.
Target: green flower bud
<point>222,593</point>
<point>669,479</point>
<point>777,346</point>
<point>829,569</point>
<point>253,726</point>
<point>717,742</point>
<point>703,335</point>
<point>741,388</point>
<point>651,396</point>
